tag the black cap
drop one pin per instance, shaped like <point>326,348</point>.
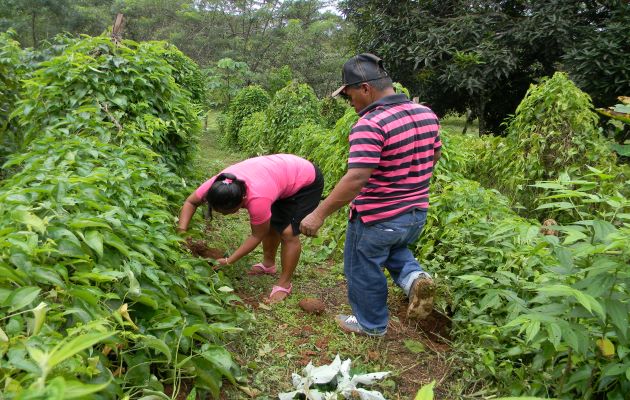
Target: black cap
<point>362,68</point>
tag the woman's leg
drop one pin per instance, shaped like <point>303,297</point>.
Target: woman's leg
<point>270,247</point>
<point>289,256</point>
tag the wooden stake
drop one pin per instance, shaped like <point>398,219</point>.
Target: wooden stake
<point>117,29</point>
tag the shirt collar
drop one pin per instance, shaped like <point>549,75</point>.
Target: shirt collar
<point>384,101</point>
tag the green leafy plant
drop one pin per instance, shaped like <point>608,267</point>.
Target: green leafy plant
<point>87,234</point>
<point>11,71</point>
<point>225,80</point>
<point>554,130</point>
<point>248,101</point>
<point>116,85</point>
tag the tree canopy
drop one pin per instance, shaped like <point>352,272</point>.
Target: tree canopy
<point>483,54</point>
<point>267,35</point>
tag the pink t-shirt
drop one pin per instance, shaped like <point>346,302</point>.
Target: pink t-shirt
<point>267,178</point>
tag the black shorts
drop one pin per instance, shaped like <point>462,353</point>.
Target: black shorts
<point>292,210</point>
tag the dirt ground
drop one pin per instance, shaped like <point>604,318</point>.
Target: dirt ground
<point>296,337</point>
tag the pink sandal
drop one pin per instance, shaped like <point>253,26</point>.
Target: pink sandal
<point>279,289</point>
<point>260,269</point>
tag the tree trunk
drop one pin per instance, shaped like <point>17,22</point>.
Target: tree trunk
<point>481,115</point>
<point>33,18</point>
<point>469,120</point>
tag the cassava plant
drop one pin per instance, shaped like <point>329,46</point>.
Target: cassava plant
<point>97,297</point>
<point>247,101</point>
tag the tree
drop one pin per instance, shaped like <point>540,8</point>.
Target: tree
<point>225,80</point>
<point>264,34</point>
<point>481,54</point>
<point>599,63</point>
<point>39,20</point>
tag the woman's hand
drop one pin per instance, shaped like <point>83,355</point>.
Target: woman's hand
<point>223,261</point>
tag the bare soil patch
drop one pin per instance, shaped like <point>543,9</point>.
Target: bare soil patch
<point>199,248</point>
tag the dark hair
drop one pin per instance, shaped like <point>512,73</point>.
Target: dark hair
<point>226,193</point>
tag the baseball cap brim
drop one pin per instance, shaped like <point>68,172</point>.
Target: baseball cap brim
<point>338,91</point>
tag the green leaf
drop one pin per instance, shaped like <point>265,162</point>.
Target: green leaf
<point>621,149</point>
<point>573,236</point>
<point>476,280</point>
<point>68,348</point>
<point>560,205</point>
<point>29,219</point>
<point>618,315</point>
<point>39,316</point>
<point>134,285</point>
<point>21,298</point>
<point>192,395</point>
<point>80,223</point>
<point>531,330</point>
<point>120,101</point>
<point>222,360</point>
<point>425,392</point>
<point>602,229</point>
<point>158,345</point>
<point>521,398</point>
<point>94,239</point>
<point>615,369</point>
<point>587,301</point>
<point>112,240</point>
<point>554,334</point>
<point>78,390</point>
<point>414,346</point>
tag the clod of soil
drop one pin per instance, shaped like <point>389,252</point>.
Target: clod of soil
<point>312,306</point>
<point>436,326</point>
<point>199,248</point>
<point>548,231</point>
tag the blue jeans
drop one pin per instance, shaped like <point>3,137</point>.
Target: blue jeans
<point>370,247</point>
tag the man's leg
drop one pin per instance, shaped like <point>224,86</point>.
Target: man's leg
<point>365,251</point>
<point>407,271</point>
<point>401,264</point>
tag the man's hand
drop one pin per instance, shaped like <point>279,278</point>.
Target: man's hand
<point>311,224</point>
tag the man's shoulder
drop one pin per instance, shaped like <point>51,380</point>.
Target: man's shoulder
<point>382,115</point>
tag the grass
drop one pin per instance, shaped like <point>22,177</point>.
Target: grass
<point>282,339</point>
<point>456,123</point>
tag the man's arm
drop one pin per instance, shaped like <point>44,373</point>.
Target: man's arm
<point>436,155</point>
<point>347,189</point>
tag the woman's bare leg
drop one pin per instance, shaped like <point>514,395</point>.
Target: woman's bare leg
<point>289,256</point>
<point>270,247</point>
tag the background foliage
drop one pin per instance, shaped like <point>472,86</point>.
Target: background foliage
<point>483,55</point>
<point>302,35</point>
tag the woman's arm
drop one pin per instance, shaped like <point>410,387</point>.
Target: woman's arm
<point>188,210</point>
<point>258,233</point>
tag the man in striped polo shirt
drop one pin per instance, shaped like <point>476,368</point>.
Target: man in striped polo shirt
<point>393,149</point>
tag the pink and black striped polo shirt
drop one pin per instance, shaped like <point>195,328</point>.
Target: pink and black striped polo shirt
<point>397,138</point>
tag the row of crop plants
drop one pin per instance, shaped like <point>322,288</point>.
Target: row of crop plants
<point>532,314</point>
<point>97,298</point>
